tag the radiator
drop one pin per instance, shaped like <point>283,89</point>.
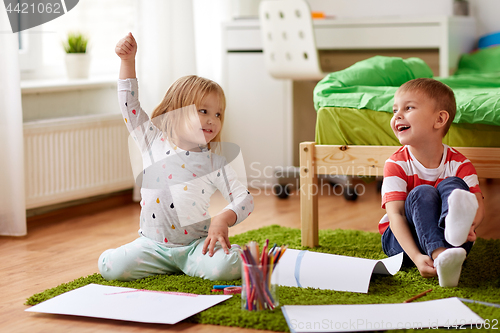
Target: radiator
<point>74,158</point>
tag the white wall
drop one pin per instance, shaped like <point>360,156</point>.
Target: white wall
<point>487,14</point>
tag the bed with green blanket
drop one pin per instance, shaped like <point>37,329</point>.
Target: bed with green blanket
<point>354,105</point>
<point>354,108</point>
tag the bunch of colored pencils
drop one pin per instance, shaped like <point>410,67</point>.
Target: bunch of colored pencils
<point>257,271</point>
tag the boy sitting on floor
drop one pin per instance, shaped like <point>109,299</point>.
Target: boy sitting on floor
<point>430,191</point>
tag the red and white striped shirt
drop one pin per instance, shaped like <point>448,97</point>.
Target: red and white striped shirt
<point>403,172</point>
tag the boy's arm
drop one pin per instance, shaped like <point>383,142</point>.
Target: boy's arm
<point>126,49</point>
<point>399,226</point>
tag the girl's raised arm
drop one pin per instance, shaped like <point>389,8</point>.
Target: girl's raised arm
<point>126,49</point>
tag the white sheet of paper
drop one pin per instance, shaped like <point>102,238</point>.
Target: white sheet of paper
<point>128,304</point>
<point>329,271</point>
<point>375,317</point>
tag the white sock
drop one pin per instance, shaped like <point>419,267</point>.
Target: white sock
<point>449,266</point>
<point>462,207</point>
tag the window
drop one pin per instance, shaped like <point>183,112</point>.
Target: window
<point>105,22</point>
<point>29,49</point>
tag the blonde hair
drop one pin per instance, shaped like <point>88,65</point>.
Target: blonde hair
<point>184,92</point>
<point>440,93</point>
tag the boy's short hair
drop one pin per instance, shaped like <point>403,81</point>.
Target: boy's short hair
<point>439,92</point>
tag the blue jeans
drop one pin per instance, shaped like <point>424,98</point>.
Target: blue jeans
<point>426,208</point>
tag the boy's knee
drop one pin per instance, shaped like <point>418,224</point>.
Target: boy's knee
<point>423,193</point>
<point>453,182</point>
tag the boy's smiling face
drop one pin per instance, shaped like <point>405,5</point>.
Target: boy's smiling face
<point>414,117</point>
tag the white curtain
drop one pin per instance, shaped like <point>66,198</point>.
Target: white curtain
<point>166,48</point>
<point>12,199</point>
<point>208,18</point>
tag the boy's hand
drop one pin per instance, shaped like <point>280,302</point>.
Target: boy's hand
<point>472,234</point>
<point>218,231</point>
<point>425,266</point>
<point>477,219</point>
<point>126,48</point>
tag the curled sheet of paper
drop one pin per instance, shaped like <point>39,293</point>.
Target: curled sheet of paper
<point>329,271</point>
<point>128,304</point>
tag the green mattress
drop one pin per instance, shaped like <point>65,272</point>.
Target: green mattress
<point>348,126</point>
<point>355,105</point>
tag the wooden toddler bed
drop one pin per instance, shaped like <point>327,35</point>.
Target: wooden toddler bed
<point>353,135</point>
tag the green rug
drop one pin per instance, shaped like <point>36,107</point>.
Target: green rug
<point>480,280</point>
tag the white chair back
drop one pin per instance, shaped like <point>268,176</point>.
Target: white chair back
<point>288,40</point>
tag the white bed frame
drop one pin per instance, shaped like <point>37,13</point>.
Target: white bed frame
<point>361,161</point>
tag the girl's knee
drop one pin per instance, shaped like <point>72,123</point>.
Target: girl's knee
<point>112,267</point>
<point>105,265</point>
<point>227,267</point>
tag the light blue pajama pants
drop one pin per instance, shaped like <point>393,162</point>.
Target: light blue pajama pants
<point>144,257</point>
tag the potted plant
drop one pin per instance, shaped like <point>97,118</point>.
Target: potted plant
<point>77,58</point>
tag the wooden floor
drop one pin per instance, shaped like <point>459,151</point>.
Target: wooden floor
<point>61,247</point>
